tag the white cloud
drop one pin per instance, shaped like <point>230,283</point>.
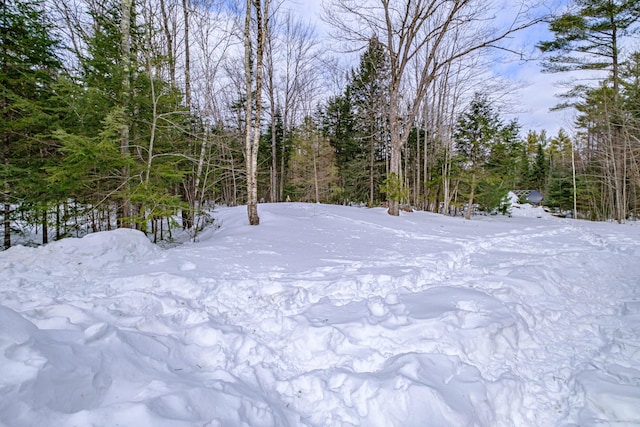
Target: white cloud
<point>539,93</point>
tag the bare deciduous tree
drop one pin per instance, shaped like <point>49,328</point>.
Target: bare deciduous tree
<point>418,28</point>
<point>291,83</point>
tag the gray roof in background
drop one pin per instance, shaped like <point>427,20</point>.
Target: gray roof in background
<point>535,197</point>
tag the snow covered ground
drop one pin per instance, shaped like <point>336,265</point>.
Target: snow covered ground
<point>327,316</point>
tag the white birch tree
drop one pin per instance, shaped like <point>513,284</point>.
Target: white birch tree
<point>253,69</point>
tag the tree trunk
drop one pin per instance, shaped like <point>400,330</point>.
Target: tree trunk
<point>274,162</point>
<point>315,170</point>
<point>274,165</point>
<point>125,26</point>
<point>45,227</point>
<point>154,125</point>
<point>248,112</point>
<point>58,221</point>
<point>187,56</point>
<point>467,214</point>
<point>371,169</point>
<point>7,205</point>
<point>189,188</point>
<point>199,195</point>
<point>6,156</point>
<point>396,147</point>
<point>417,181</point>
<point>252,127</point>
<point>273,171</point>
<point>169,37</point>
<point>283,151</point>
<point>573,179</point>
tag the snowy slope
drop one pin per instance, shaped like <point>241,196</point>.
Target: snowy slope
<point>327,316</point>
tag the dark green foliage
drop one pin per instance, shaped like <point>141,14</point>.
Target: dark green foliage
<point>106,99</point>
<point>88,171</point>
<point>476,129</point>
<point>539,170</point>
<point>393,187</point>
<point>588,38</point>
<point>505,155</point>
<point>62,132</point>
<point>265,155</point>
<point>28,68</point>
<point>355,124</point>
<point>559,192</point>
<point>488,152</point>
<point>339,126</point>
<point>631,87</point>
<point>592,37</point>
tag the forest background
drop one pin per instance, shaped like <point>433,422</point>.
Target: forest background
<point>147,113</point>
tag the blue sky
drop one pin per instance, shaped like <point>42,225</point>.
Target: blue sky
<point>537,91</point>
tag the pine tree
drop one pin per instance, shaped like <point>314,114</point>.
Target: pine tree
<point>502,168</point>
<point>271,144</point>
<point>121,103</point>
<point>369,93</point>
<point>540,169</point>
<point>314,175</point>
<point>559,184</point>
<point>355,123</point>
<point>631,105</point>
<point>476,130</point>
<point>27,70</point>
<point>339,127</point>
<point>588,39</point>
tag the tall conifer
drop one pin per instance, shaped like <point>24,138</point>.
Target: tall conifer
<point>28,65</point>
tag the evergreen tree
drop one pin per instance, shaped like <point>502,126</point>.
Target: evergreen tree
<point>355,124</point>
<point>631,87</point>
<point>524,170</point>
<point>339,127</point>
<point>559,186</point>
<point>477,129</point>
<point>502,167</point>
<point>103,111</point>
<point>631,105</point>
<point>28,69</point>
<point>314,175</point>
<point>590,38</point>
<point>369,93</point>
<point>526,159</point>
<point>119,99</point>
<point>559,192</point>
<point>266,152</point>
<point>540,169</point>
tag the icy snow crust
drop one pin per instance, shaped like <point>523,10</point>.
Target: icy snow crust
<point>327,316</point>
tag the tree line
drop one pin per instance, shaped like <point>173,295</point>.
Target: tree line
<point>147,113</point>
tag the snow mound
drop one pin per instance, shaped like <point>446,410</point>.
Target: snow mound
<point>73,256</point>
<point>525,209</point>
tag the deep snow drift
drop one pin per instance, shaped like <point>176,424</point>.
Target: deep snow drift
<point>327,316</point>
